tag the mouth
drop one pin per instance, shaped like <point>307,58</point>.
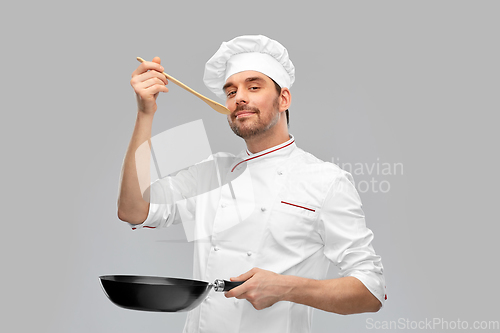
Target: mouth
<point>243,114</point>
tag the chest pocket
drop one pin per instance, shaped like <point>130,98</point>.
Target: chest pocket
<point>293,224</point>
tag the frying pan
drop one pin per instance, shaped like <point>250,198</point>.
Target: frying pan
<point>160,294</point>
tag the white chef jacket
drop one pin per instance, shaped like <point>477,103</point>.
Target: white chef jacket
<point>288,212</point>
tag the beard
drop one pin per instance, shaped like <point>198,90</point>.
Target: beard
<point>247,128</point>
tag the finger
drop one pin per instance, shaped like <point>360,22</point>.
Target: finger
<point>157,60</point>
<point>148,75</point>
<point>148,83</point>
<point>242,296</point>
<point>156,89</point>
<point>243,277</point>
<point>237,291</point>
<point>147,66</point>
<point>141,88</point>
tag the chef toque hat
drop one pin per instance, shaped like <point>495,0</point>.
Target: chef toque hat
<point>249,53</point>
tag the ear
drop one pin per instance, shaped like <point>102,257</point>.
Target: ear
<point>285,99</point>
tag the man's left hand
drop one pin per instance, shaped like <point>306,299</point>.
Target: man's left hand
<point>261,288</point>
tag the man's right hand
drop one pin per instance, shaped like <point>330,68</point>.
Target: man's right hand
<point>148,81</point>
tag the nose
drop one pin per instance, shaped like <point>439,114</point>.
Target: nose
<point>241,97</point>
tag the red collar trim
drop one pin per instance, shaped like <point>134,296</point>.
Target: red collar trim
<point>251,158</point>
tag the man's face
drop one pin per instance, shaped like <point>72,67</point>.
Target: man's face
<point>253,101</point>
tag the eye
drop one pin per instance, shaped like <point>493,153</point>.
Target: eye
<point>254,88</point>
<point>230,93</point>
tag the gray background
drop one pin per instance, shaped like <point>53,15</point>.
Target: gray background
<point>412,82</point>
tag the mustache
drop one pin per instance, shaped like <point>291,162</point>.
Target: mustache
<point>245,107</point>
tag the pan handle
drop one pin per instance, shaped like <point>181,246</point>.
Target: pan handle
<point>224,285</point>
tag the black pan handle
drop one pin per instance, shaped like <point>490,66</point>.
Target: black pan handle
<point>224,285</point>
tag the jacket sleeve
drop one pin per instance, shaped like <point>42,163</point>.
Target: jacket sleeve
<point>170,198</point>
<point>347,239</point>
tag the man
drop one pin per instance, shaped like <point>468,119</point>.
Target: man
<point>305,212</point>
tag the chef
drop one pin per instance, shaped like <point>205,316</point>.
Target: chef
<point>278,224</point>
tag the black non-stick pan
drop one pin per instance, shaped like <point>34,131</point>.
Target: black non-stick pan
<point>162,294</point>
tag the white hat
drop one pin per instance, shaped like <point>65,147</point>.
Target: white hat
<point>249,53</point>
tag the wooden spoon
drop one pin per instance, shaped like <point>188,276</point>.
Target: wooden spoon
<point>214,105</point>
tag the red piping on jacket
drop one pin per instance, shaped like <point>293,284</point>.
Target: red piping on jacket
<point>145,227</point>
<point>251,158</point>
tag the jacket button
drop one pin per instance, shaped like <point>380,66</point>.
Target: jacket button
<point>223,205</point>
<point>216,248</point>
<point>263,209</point>
<point>280,172</point>
<point>249,253</point>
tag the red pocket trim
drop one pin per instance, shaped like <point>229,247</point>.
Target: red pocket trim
<point>291,204</point>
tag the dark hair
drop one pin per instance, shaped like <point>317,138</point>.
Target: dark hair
<point>278,89</point>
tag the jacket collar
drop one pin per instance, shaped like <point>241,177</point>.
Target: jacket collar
<point>274,153</point>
